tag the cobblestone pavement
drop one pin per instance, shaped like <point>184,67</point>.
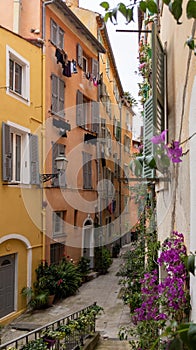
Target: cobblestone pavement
<point>103,289</point>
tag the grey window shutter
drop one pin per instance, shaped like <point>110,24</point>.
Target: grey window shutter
<point>57,149</point>
<point>6,153</point>
<point>54,105</point>
<point>61,97</point>
<point>154,113</point>
<point>80,118</point>
<point>87,171</point>
<point>79,56</point>
<point>34,159</point>
<point>95,67</point>
<point>55,153</point>
<point>95,116</point>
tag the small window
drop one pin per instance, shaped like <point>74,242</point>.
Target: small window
<point>75,217</point>
<point>20,159</point>
<point>87,171</point>
<point>56,252</point>
<point>56,35</point>
<point>58,223</point>
<point>17,75</point>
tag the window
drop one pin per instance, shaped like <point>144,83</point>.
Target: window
<point>127,143</point>
<point>58,223</point>
<point>107,68</point>
<point>56,34</point>
<point>85,64</point>
<point>87,113</point>
<point>75,217</point>
<point>56,252</point>
<point>126,204</point>
<point>103,128</point>
<point>19,154</point>
<point>17,75</point>
<point>87,171</point>
<point>108,222</point>
<point>128,121</point>
<point>57,150</point>
<point>58,93</point>
<point>126,173</point>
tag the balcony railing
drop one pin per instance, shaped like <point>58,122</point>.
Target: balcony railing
<point>71,341</point>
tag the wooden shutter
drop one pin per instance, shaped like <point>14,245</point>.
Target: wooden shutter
<point>95,67</point>
<point>6,153</point>
<point>60,38</point>
<point>87,171</point>
<point>53,32</point>
<point>34,159</point>
<point>57,149</point>
<point>54,106</point>
<point>95,116</point>
<point>80,117</point>
<point>154,113</point>
<point>79,56</point>
<point>61,95</point>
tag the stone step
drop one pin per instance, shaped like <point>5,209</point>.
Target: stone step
<point>113,344</point>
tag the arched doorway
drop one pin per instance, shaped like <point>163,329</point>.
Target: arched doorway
<point>88,241</point>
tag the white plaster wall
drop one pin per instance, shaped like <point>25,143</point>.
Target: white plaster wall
<point>192,129</point>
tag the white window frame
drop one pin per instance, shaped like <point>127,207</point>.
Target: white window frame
<point>16,57</point>
<point>25,154</point>
<point>58,219</point>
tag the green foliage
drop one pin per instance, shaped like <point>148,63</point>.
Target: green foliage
<point>60,280</point>
<point>83,266</point>
<point>103,259</point>
<point>175,7</point>
<point>37,344</point>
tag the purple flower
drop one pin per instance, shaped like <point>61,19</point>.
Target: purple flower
<point>159,138</point>
<point>174,152</point>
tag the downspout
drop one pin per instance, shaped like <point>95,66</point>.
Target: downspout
<point>16,16</point>
<point>44,4</point>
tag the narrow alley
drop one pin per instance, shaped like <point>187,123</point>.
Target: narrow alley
<point>104,290</point>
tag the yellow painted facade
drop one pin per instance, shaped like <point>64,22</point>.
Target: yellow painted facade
<point>20,201</point>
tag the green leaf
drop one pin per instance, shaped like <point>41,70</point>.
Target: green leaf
<point>191,264</point>
<point>143,6</point>
<point>166,2</point>
<point>191,9</point>
<point>136,167</point>
<point>129,15</point>
<point>105,5</point>
<point>183,332</point>
<point>192,336</point>
<point>176,344</point>
<point>176,9</point>
<point>114,15</point>
<point>122,9</point>
<point>191,43</point>
<point>107,16</point>
<point>152,6</point>
<point>150,161</point>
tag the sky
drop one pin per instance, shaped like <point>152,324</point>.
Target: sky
<point>124,46</point>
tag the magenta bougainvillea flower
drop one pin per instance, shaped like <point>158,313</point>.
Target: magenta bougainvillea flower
<point>159,138</point>
<point>174,152</point>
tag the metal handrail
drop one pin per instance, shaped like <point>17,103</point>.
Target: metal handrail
<point>35,334</point>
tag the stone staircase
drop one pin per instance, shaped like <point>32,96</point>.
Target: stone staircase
<point>113,344</point>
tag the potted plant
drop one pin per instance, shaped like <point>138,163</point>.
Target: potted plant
<point>37,344</point>
<point>51,336</point>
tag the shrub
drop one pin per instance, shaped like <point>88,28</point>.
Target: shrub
<point>103,259</point>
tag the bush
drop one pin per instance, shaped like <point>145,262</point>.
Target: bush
<point>103,259</point>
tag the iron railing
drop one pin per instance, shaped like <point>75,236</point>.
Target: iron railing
<point>69,342</point>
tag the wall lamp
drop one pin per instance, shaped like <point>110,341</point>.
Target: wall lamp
<point>61,165</point>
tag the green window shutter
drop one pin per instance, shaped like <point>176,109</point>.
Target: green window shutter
<point>154,108</point>
<point>158,80</point>
<point>79,55</point>
<point>148,134</point>
<point>95,116</point>
<point>6,153</point>
<point>80,117</point>
<point>34,159</point>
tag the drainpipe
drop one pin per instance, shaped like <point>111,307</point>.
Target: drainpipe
<point>44,4</point>
<point>16,18</point>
